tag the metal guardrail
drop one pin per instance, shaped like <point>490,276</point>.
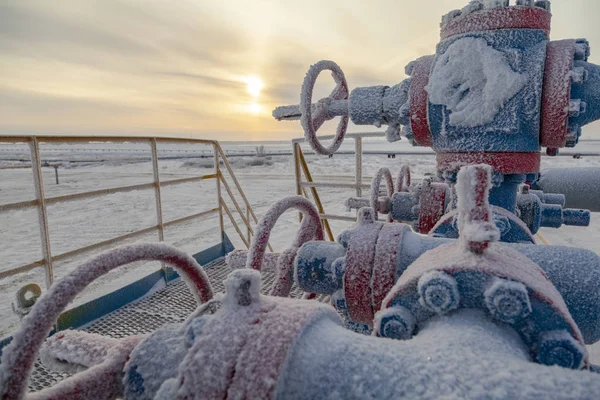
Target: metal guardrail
<point>41,201</point>
<point>305,181</point>
<point>304,178</point>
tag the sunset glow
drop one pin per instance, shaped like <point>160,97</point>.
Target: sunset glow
<point>210,69</point>
<point>255,85</point>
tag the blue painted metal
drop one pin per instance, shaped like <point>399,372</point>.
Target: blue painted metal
<point>404,207</point>
<point>505,194</point>
<point>512,228</point>
<point>319,267</point>
<point>550,198</point>
<point>580,186</point>
<point>205,256</point>
<point>589,92</point>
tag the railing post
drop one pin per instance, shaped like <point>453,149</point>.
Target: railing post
<point>38,181</point>
<point>358,155</point>
<point>216,148</point>
<point>296,151</point>
<point>56,173</point>
<point>158,199</point>
<point>248,230</point>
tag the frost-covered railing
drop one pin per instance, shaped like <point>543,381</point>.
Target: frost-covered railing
<point>305,181</point>
<point>41,201</point>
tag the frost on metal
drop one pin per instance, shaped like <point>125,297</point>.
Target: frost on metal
<point>75,351</point>
<point>465,355</point>
<point>474,81</point>
<point>475,223</point>
<point>240,336</point>
<point>312,122</point>
<point>310,228</point>
<point>507,300</point>
<point>155,360</point>
<point>438,292</point>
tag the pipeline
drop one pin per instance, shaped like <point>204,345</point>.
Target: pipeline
<point>580,186</point>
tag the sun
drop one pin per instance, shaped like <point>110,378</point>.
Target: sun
<point>254,85</point>
<point>254,108</point>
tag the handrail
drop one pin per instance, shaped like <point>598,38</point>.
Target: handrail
<point>41,201</point>
<point>302,169</point>
<point>239,188</point>
<point>315,194</point>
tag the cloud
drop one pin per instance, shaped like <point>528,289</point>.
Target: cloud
<point>179,66</point>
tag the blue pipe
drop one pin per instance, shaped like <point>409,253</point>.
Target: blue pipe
<point>581,186</point>
<point>505,195</point>
<point>465,355</point>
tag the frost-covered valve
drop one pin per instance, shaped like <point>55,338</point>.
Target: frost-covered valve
<point>255,258</point>
<point>376,204</point>
<point>374,105</point>
<point>312,116</point>
<point>105,379</point>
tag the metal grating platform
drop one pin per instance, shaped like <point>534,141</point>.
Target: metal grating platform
<point>169,305</point>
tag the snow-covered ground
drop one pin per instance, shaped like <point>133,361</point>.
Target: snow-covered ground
<point>85,167</point>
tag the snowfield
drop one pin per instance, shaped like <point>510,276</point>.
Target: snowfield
<point>85,167</point>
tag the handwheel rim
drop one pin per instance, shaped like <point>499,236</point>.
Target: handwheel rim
<point>339,93</point>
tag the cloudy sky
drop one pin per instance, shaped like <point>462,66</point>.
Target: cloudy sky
<point>209,68</point>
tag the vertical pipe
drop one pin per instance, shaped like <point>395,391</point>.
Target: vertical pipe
<point>216,148</point>
<point>56,173</point>
<point>158,200</point>
<point>358,155</point>
<point>36,167</point>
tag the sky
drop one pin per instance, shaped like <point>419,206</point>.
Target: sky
<point>211,69</point>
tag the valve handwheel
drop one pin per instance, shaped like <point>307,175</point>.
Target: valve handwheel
<point>311,123</point>
<point>403,180</point>
<point>310,229</point>
<point>389,184</point>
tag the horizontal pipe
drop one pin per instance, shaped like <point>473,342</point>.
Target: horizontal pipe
<point>337,217</point>
<point>581,186</point>
<point>465,355</point>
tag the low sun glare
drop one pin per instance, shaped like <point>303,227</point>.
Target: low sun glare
<point>254,85</point>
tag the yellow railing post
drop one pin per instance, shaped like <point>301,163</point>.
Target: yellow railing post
<point>38,180</point>
<point>158,198</point>
<point>315,194</point>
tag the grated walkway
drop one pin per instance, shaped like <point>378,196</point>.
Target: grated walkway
<point>169,305</point>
